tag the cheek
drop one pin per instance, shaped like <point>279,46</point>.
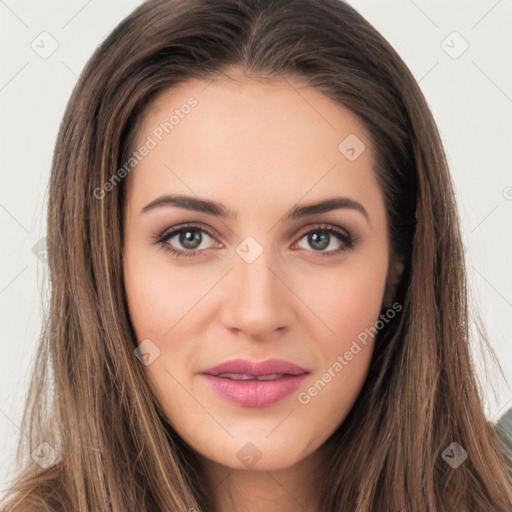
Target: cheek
<point>347,303</point>
<point>344,300</point>
<point>351,311</point>
<point>145,302</point>
<point>158,295</point>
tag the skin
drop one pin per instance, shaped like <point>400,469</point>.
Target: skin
<point>260,149</point>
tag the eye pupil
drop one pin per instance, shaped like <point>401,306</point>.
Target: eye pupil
<point>190,239</point>
<point>319,241</point>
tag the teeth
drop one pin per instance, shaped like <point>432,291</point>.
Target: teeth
<point>243,376</point>
<point>236,376</point>
<point>272,376</point>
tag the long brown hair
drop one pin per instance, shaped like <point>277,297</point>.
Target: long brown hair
<point>89,399</point>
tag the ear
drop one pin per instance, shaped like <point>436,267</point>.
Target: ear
<point>395,272</point>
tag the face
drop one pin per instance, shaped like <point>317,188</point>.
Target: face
<point>248,269</point>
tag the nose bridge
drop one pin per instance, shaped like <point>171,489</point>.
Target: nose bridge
<point>255,279</point>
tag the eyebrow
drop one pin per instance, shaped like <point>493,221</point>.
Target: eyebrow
<point>219,210</point>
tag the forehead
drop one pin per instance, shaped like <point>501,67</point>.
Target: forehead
<point>244,140</point>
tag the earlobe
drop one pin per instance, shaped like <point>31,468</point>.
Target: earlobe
<point>395,272</point>
<point>396,275</point>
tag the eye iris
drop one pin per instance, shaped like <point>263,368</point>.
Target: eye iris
<point>190,239</point>
<point>319,241</point>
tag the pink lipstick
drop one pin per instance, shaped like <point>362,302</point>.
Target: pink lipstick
<point>255,383</point>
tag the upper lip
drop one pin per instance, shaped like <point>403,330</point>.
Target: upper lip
<point>256,368</point>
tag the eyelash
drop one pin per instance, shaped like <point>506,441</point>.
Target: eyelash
<point>342,235</point>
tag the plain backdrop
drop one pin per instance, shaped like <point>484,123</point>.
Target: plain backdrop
<point>459,51</point>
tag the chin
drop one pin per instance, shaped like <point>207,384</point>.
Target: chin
<point>262,456</point>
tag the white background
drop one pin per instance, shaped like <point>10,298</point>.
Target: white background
<point>470,96</point>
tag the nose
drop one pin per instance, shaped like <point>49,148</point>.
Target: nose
<point>257,300</point>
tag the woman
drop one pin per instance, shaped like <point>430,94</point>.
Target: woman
<point>258,286</point>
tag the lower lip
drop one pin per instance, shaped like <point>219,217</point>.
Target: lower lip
<point>255,393</point>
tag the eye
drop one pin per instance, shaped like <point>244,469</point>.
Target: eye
<point>190,239</point>
<point>325,236</point>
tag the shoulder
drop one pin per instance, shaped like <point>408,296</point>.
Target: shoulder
<point>503,428</point>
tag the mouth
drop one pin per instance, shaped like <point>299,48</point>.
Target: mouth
<point>244,369</point>
<point>255,384</point>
